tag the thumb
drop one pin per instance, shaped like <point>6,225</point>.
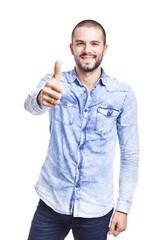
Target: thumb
<point>57,70</point>
<point>112,227</point>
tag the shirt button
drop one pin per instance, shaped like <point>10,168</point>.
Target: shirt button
<point>85,110</point>
<point>77,185</point>
<point>81,147</point>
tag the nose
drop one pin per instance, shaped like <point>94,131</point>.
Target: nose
<point>87,48</point>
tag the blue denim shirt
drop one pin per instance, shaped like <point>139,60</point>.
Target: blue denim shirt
<point>77,175</point>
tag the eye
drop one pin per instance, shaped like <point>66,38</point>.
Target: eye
<point>80,44</point>
<point>94,44</point>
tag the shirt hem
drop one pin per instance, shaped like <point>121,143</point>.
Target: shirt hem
<point>44,199</point>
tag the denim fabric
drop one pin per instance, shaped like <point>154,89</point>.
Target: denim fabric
<point>48,225</point>
<point>77,175</point>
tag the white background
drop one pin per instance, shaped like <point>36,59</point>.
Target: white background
<point>34,34</point>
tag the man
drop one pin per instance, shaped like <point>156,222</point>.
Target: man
<point>87,110</point>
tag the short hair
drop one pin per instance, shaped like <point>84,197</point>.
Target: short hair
<point>90,23</point>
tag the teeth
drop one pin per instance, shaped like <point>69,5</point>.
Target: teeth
<point>87,57</point>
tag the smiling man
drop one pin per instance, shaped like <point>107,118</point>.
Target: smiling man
<point>88,110</point>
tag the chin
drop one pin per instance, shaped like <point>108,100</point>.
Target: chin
<point>88,69</point>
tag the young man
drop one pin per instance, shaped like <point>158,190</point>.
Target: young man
<point>87,110</point>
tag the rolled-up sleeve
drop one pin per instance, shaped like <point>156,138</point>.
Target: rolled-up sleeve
<point>31,104</point>
<point>129,148</point>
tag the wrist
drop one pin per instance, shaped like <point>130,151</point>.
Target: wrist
<point>122,212</point>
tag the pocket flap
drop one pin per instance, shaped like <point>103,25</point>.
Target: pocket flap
<point>108,112</point>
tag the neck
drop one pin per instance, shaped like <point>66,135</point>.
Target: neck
<point>88,79</point>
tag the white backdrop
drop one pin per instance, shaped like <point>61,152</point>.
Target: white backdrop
<point>34,34</point>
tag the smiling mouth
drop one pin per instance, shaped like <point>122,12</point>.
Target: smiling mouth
<point>87,58</point>
<point>84,57</point>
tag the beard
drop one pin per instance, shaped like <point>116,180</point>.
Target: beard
<point>86,68</point>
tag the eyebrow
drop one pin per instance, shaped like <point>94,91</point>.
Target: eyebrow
<point>93,41</point>
<point>79,41</point>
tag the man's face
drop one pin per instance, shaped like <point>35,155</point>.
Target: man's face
<point>88,48</point>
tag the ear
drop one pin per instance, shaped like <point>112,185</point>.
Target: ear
<point>105,49</point>
<point>71,48</point>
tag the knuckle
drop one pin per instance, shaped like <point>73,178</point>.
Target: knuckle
<point>44,91</point>
<point>43,102</point>
<point>57,87</point>
<point>48,83</point>
<point>121,229</point>
<point>58,101</point>
<point>54,106</point>
<point>61,89</point>
<point>124,228</point>
<point>58,96</point>
<point>42,97</point>
<point>113,222</point>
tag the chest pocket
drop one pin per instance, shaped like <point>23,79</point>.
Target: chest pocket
<point>65,111</point>
<point>106,119</point>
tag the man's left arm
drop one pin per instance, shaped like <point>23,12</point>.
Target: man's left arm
<point>127,129</point>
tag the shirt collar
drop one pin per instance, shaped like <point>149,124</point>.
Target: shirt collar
<point>103,79</point>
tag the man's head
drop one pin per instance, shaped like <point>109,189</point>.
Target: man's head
<point>88,45</point>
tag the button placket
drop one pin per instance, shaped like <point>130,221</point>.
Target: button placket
<point>82,140</point>
<point>83,127</point>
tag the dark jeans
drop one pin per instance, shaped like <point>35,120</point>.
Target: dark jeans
<point>50,225</point>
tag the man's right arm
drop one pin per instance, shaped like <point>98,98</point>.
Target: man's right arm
<point>31,104</point>
<point>47,94</point>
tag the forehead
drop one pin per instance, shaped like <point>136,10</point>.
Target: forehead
<point>88,34</point>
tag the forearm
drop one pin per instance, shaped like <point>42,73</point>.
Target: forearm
<point>127,179</point>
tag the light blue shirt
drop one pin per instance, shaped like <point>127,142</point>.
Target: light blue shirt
<point>77,175</point>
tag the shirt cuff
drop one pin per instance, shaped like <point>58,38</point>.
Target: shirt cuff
<point>123,206</point>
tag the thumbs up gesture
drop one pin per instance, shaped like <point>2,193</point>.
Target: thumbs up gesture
<point>51,93</point>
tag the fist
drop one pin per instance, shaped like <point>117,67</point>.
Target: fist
<point>118,223</point>
<point>51,93</point>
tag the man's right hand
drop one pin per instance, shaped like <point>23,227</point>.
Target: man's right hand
<point>51,93</point>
